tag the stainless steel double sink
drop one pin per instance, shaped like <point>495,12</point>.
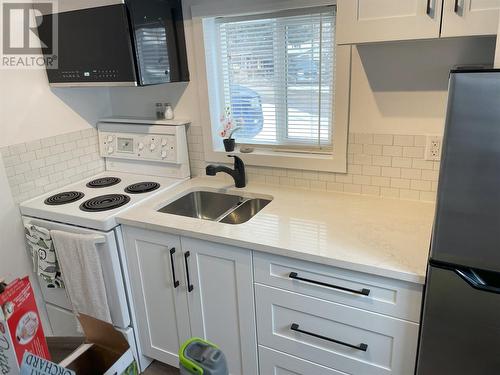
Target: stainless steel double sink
<point>221,207</point>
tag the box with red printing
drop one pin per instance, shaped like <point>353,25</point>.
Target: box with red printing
<point>20,326</point>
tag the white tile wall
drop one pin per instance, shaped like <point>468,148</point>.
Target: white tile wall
<point>378,164</point>
<point>43,165</point>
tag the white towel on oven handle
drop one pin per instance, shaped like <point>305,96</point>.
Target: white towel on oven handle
<point>82,272</point>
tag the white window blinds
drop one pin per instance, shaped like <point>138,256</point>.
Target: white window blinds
<point>278,77</point>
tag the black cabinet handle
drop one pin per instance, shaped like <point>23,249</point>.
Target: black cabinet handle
<point>176,282</point>
<point>189,285</point>
<point>456,6</point>
<point>362,347</point>
<point>428,8</point>
<point>295,276</point>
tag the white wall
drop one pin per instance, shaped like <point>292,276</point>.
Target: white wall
<point>14,260</point>
<point>401,88</point>
<point>30,109</point>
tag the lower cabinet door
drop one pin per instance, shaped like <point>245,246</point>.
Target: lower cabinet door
<point>221,300</point>
<point>277,363</point>
<point>160,303</point>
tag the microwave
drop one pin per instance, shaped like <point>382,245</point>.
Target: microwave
<point>114,43</point>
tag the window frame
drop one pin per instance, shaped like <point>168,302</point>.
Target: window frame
<point>333,160</point>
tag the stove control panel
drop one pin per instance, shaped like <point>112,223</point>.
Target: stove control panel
<point>157,143</point>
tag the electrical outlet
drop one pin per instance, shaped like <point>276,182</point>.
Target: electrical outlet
<point>433,147</point>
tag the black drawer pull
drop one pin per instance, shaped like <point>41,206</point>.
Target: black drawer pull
<point>455,8</point>
<point>176,282</point>
<point>295,276</point>
<point>362,347</point>
<point>189,285</point>
<point>428,8</point>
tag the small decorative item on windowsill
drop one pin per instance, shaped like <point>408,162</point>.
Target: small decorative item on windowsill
<point>228,128</point>
<point>229,144</point>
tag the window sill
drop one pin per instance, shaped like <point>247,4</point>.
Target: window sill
<point>292,160</point>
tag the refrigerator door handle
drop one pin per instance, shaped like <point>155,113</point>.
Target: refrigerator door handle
<point>478,280</point>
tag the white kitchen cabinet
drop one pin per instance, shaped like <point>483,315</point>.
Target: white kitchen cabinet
<point>362,21</point>
<point>470,17</point>
<point>382,295</point>
<point>184,288</point>
<point>334,335</point>
<point>278,363</point>
<point>161,307</point>
<point>221,300</point>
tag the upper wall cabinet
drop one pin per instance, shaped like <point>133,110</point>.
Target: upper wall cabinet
<point>470,17</point>
<point>361,21</point>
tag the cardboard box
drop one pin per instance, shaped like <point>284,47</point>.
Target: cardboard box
<point>20,326</point>
<point>105,351</point>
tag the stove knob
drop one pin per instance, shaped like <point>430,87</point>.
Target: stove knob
<point>152,146</point>
<point>141,146</point>
<point>163,142</point>
<point>110,150</point>
<point>163,154</point>
<point>110,138</point>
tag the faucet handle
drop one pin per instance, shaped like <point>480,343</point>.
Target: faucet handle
<point>234,156</point>
<point>210,170</point>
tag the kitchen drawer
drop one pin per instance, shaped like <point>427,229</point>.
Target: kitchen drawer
<point>278,363</point>
<point>386,296</point>
<point>391,343</point>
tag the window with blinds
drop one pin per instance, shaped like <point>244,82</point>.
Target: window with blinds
<point>278,74</point>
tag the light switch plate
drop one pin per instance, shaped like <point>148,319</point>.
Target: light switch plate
<point>433,147</point>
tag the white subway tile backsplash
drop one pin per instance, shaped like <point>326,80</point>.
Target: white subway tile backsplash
<point>43,165</point>
<point>318,185</point>
<point>362,180</point>
<point>420,140</point>
<point>413,152</point>
<point>389,192</point>
<point>363,138</point>
<point>372,149</point>
<point>393,150</point>
<point>334,186</point>
<point>48,142</point>
<point>383,139</point>
<point>422,164</point>
<point>378,164</point>
<point>412,174</point>
<point>383,161</point>
<point>420,185</point>
<point>401,162</point>
<point>429,175</point>
<point>371,170</point>
<point>400,183</point>
<point>352,188</point>
<point>404,140</point>
<point>344,178</point>
<point>370,190</point>
<point>391,172</point>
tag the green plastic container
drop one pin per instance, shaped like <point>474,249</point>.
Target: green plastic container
<point>201,357</point>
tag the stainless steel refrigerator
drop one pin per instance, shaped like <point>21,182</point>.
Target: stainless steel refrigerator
<point>460,331</point>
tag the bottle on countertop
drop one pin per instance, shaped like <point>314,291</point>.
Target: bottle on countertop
<point>160,111</point>
<point>169,112</point>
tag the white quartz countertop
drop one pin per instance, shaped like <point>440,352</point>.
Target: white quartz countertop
<point>381,236</point>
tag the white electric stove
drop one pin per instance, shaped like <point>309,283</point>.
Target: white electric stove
<point>95,201</point>
<point>142,160</point>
